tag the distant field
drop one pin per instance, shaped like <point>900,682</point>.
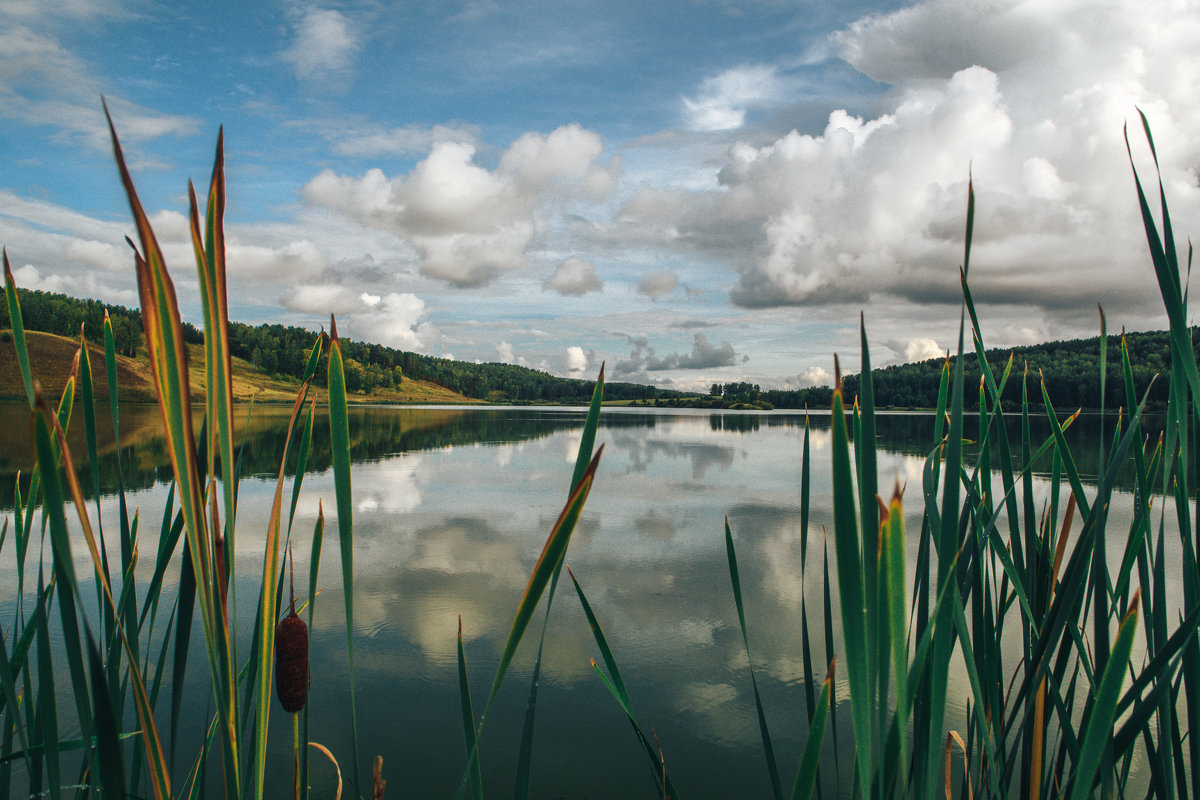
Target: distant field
<point>50,359</point>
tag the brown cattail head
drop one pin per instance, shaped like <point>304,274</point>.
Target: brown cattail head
<point>291,662</point>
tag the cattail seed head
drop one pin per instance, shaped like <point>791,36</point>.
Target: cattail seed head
<point>291,662</point>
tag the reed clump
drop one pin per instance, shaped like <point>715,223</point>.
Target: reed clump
<point>1105,674</point>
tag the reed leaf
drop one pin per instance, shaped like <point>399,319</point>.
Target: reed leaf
<point>807,774</point>
<point>1099,727</point>
<point>468,721</point>
<point>339,435</point>
<point>764,731</point>
<point>18,328</point>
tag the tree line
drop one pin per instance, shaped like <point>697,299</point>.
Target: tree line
<point>282,351</point>
<point>1071,369</point>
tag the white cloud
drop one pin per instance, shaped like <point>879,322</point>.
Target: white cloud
<point>724,99</point>
<point>368,140</point>
<point>101,255</point>
<point>86,285</point>
<point>320,299</point>
<point>468,224</point>
<point>657,285</point>
<point>324,46</point>
<point>811,376</point>
<point>919,349</point>
<point>393,320</point>
<point>505,353</point>
<point>44,83</point>
<point>576,362</point>
<point>574,277</point>
<point>871,209</point>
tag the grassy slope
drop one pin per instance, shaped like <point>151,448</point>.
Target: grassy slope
<point>51,356</point>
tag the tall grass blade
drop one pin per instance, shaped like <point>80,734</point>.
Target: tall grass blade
<point>18,328</point>
<point>168,360</point>
<point>468,720</point>
<point>616,687</point>
<point>851,593</point>
<point>339,434</point>
<point>764,731</point>
<point>808,773</point>
<point>268,611</point>
<point>1099,727</point>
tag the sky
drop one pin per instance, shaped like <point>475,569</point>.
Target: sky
<point>690,191</point>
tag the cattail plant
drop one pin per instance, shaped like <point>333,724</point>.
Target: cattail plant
<point>291,657</point>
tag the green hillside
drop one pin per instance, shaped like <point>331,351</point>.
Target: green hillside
<point>269,359</point>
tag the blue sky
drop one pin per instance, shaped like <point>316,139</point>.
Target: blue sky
<point>694,191</point>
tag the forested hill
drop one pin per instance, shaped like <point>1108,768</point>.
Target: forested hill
<point>282,352</point>
<point>1071,368</point>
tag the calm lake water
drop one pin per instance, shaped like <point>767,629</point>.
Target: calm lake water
<point>451,508</point>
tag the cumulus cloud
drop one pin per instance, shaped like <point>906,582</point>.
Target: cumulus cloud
<point>657,285</point>
<point>811,376</point>
<point>1030,97</point>
<point>102,255</point>
<point>574,277</point>
<point>324,45</point>
<point>576,362</point>
<point>469,224</point>
<point>394,319</point>
<point>505,354</point>
<point>86,285</point>
<point>918,349</point>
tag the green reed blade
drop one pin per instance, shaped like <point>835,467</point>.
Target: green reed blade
<point>525,753</point>
<point>18,328</point>
<point>168,359</point>
<point>169,538</point>
<point>893,573</point>
<point>108,743</point>
<point>468,720</point>
<point>183,630</point>
<point>152,745</point>
<point>302,460</point>
<point>1141,699</point>
<point>946,539</point>
<point>616,687</point>
<point>587,443</point>
<point>808,772</point>
<point>87,393</point>
<point>610,663</point>
<point>47,706</point>
<point>10,667</point>
<point>851,594</point>
<point>268,610</point>
<point>552,553</point>
<point>1099,727</point>
<point>64,571</point>
<point>339,435</point>
<point>764,732</point>
<point>314,568</point>
<point>805,492</point>
<point>210,265</point>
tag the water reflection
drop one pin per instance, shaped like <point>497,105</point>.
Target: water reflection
<point>451,509</point>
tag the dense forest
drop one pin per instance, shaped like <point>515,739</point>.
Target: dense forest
<point>282,352</point>
<point>1071,368</point>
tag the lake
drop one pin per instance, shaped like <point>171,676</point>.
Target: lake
<point>451,509</point>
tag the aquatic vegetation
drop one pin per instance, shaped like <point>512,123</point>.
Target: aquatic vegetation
<point>1083,665</point>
